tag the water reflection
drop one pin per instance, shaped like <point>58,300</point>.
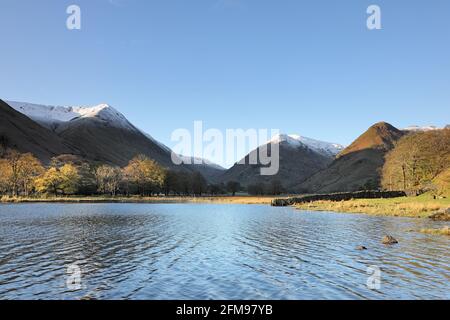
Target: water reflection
<point>188,251</point>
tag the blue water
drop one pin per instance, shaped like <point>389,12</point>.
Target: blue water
<point>202,251</point>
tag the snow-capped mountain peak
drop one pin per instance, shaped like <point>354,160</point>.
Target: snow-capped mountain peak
<point>106,113</point>
<point>54,115</point>
<point>294,140</point>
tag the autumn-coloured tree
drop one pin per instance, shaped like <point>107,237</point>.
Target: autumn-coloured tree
<point>49,181</point>
<point>29,168</point>
<point>416,160</point>
<point>5,177</point>
<point>64,180</point>
<point>146,174</point>
<point>70,179</point>
<point>108,179</point>
<point>442,183</point>
<point>18,172</point>
<point>13,161</point>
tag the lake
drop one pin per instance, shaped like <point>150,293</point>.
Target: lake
<point>208,251</point>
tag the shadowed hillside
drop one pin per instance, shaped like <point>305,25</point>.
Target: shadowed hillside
<point>19,132</point>
<point>296,164</point>
<point>98,134</point>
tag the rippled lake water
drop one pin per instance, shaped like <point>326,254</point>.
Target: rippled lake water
<point>202,251</point>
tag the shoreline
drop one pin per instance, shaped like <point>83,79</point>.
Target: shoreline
<point>423,206</point>
<point>159,199</point>
<point>413,207</point>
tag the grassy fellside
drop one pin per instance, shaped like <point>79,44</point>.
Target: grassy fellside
<point>419,207</point>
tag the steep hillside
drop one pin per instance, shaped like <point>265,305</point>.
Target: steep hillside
<point>101,133</point>
<point>20,132</point>
<point>358,166</point>
<point>380,136</point>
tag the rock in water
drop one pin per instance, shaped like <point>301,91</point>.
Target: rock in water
<point>361,248</point>
<point>389,240</point>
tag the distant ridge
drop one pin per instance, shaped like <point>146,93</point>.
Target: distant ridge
<point>294,140</point>
<point>300,157</point>
<point>422,129</point>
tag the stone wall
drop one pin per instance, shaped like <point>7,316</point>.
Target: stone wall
<point>338,197</point>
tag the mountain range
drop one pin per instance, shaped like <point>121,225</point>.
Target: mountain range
<point>300,157</point>
<point>99,134</point>
<point>104,135</point>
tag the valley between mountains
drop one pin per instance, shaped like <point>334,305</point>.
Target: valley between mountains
<point>415,160</point>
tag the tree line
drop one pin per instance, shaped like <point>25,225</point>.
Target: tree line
<point>22,174</point>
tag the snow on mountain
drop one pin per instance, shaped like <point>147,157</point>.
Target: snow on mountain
<point>322,147</point>
<point>418,128</point>
<point>55,115</point>
<point>185,159</point>
<point>195,160</point>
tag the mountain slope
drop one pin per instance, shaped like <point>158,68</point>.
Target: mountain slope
<point>102,142</point>
<point>298,161</point>
<point>358,166</point>
<point>21,133</point>
<point>380,136</point>
<point>101,133</point>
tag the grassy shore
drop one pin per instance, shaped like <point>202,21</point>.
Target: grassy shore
<point>445,231</point>
<point>159,199</point>
<point>418,207</point>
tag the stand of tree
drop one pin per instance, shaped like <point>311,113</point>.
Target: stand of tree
<point>418,163</point>
<point>275,187</point>
<point>24,175</point>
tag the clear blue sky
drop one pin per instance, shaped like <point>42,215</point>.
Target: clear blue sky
<point>306,67</point>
